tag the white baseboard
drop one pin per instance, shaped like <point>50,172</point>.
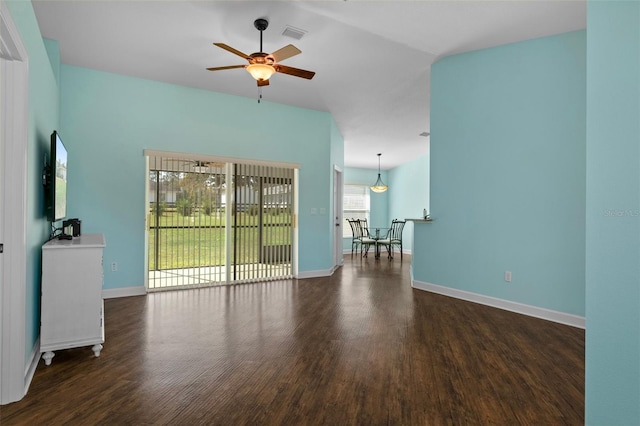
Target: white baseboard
<point>404,251</point>
<point>32,364</point>
<point>112,293</point>
<point>520,308</point>
<point>348,252</point>
<point>315,274</point>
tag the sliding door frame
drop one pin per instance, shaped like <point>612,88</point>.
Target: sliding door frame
<point>231,165</point>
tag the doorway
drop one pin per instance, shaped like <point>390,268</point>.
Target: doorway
<point>212,221</point>
<point>14,89</point>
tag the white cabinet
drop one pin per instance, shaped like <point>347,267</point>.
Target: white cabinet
<point>72,310</point>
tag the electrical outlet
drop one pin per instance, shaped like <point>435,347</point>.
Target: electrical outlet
<point>114,267</point>
<point>507,276</point>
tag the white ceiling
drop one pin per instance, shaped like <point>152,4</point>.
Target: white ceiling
<point>372,58</point>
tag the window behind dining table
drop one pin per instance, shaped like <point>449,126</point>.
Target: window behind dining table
<point>355,205</point>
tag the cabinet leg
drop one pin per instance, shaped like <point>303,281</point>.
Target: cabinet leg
<point>96,350</point>
<point>47,356</point>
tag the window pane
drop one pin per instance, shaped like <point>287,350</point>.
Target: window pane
<point>355,205</point>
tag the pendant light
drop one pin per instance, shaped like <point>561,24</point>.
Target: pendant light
<point>379,186</point>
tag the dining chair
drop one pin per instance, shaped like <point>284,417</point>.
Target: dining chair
<point>366,240</point>
<point>393,237</point>
<point>356,238</point>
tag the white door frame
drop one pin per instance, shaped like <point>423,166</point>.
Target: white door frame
<point>338,188</point>
<point>296,205</point>
<point>14,122</point>
<point>229,200</point>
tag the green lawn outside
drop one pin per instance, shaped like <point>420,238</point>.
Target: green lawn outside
<point>200,240</point>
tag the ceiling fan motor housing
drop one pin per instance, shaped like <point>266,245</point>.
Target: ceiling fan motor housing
<point>262,58</point>
<point>261,24</point>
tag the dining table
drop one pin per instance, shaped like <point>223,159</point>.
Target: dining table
<point>377,234</point>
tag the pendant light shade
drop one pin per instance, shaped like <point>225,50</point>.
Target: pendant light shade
<point>379,186</point>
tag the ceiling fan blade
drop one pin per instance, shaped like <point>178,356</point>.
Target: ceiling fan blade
<point>232,50</point>
<point>226,68</point>
<point>263,83</point>
<point>297,72</point>
<point>286,52</point>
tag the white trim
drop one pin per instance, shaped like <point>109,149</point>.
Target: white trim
<point>337,221</point>
<point>507,305</point>
<point>218,159</point>
<point>147,218</point>
<point>32,364</point>
<point>315,274</point>
<point>396,250</point>
<point>404,251</point>
<point>113,293</point>
<point>228,220</point>
<point>14,135</point>
<point>295,260</point>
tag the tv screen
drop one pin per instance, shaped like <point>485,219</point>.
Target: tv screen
<point>57,179</point>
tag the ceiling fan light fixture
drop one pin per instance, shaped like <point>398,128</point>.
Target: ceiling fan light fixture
<point>379,186</point>
<point>261,71</point>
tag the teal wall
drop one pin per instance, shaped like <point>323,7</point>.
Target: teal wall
<point>108,120</point>
<point>520,113</point>
<point>53,51</point>
<point>613,214</point>
<point>44,117</point>
<point>378,207</point>
<point>410,195</point>
<point>508,174</point>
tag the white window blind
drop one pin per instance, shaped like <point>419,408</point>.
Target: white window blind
<point>355,205</point>
<point>215,223</point>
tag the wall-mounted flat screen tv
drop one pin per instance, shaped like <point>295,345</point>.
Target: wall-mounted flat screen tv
<point>57,180</point>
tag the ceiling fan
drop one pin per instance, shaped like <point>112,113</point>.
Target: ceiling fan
<point>263,65</point>
<point>188,165</point>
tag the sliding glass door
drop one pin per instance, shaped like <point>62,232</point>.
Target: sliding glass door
<point>218,222</point>
<point>262,222</point>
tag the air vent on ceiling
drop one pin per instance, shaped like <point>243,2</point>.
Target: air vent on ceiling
<point>293,32</point>
<point>425,134</point>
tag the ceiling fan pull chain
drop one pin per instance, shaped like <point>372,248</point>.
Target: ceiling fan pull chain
<point>259,94</point>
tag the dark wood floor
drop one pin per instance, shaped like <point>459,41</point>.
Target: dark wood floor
<point>360,347</point>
